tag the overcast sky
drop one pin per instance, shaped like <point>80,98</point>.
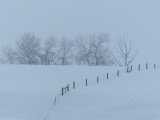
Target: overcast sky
<point>138,20</point>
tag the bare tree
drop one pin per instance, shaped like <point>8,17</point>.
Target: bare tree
<point>90,50</point>
<point>94,50</point>
<point>64,53</point>
<point>82,49</point>
<point>9,55</point>
<point>125,51</point>
<point>48,51</point>
<point>100,53</point>
<point>28,47</point>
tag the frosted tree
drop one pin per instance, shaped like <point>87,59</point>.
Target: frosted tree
<point>47,52</point>
<point>8,55</point>
<point>28,48</point>
<point>64,53</point>
<point>93,50</point>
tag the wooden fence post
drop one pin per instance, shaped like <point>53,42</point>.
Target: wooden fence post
<point>118,73</point>
<point>127,69</point>
<point>154,66</point>
<point>68,87</point>
<point>131,69</point>
<point>146,65</point>
<point>86,82</point>
<point>139,67</point>
<point>74,87</point>
<point>107,75</point>
<point>62,91</point>
<point>97,79</point>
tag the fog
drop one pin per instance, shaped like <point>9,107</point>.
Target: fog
<point>137,20</point>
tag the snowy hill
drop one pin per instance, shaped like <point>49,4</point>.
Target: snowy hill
<point>133,96</point>
<point>28,92</point>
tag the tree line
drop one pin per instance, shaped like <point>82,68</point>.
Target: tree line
<point>93,50</point>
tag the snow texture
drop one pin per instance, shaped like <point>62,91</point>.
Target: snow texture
<point>28,93</point>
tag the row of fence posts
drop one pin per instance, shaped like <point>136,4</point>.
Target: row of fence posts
<point>129,69</point>
<point>65,89</point>
<point>139,66</point>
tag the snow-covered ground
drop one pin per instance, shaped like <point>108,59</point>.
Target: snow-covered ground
<point>28,92</point>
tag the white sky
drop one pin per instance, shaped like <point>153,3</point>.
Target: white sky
<point>138,20</point>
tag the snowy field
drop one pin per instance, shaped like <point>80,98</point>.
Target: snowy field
<point>27,93</point>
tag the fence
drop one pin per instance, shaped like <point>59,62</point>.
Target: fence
<point>74,85</point>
